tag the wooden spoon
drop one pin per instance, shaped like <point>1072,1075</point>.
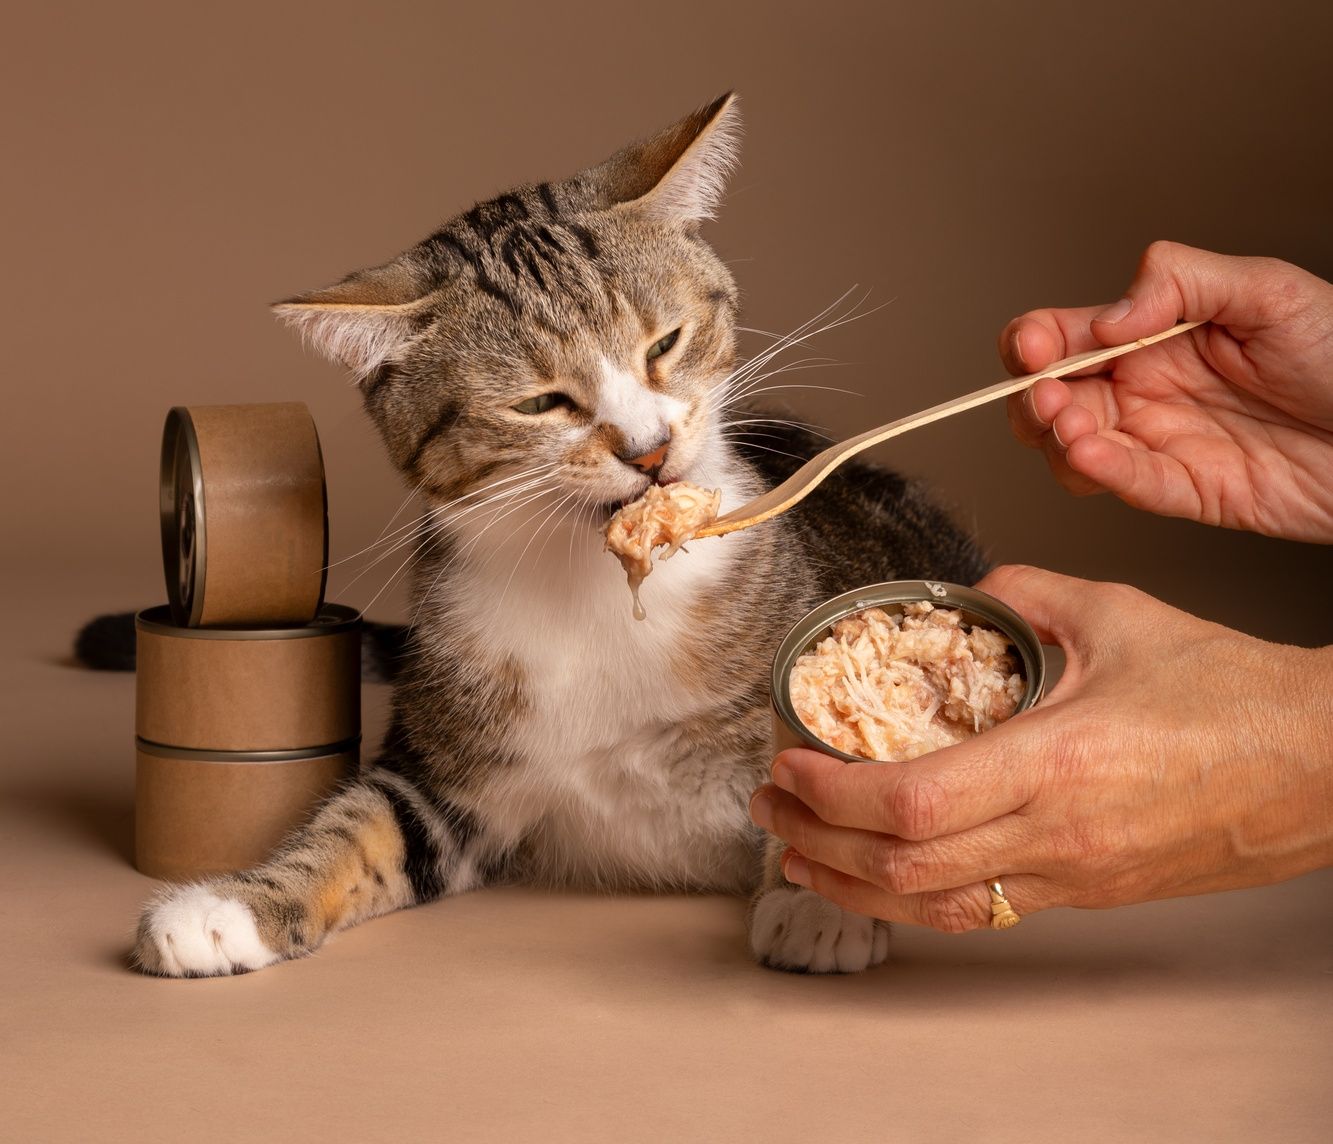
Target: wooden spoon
<point>804,481</point>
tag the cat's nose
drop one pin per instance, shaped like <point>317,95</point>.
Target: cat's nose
<point>650,462</point>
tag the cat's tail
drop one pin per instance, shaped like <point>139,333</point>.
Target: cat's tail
<point>378,845</point>
<point>107,644</point>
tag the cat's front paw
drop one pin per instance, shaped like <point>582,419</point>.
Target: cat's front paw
<point>799,931</point>
<point>193,932</point>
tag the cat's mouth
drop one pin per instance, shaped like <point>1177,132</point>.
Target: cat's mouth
<point>608,509</point>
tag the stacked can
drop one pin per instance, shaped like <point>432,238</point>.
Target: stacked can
<point>248,691</point>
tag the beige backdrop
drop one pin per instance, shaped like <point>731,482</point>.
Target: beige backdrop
<point>172,168</point>
<point>169,169</point>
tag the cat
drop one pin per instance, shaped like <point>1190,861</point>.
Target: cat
<point>532,365</point>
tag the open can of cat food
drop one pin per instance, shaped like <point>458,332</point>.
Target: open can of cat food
<point>974,609</point>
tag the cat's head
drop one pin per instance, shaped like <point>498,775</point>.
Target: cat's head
<point>576,328</point>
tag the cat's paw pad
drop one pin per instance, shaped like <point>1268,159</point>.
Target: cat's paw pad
<point>192,932</point>
<point>801,932</point>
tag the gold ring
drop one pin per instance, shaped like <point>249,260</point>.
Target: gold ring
<point>1002,914</point>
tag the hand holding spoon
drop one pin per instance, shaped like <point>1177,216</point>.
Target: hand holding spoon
<point>809,476</point>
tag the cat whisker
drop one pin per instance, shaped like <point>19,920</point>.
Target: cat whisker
<point>799,332</point>
<point>436,510</point>
<point>584,503</point>
<point>414,491</point>
<point>737,383</point>
<point>422,539</point>
<point>783,421</point>
<point>442,519</point>
<point>535,533</point>
<point>454,558</point>
<point>779,452</point>
<point>803,385</point>
<point>722,399</point>
<point>743,375</point>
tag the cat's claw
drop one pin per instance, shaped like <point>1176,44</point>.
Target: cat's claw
<point>801,932</point>
<point>192,932</point>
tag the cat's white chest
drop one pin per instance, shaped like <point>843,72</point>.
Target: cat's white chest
<point>608,789</point>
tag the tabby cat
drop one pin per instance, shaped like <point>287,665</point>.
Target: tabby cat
<point>532,365</point>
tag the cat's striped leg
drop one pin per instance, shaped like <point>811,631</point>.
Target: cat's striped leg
<point>795,929</point>
<point>378,845</point>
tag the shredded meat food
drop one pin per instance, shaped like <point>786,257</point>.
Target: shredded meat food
<point>666,515</point>
<point>891,687</point>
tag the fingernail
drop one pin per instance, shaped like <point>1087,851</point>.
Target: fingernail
<point>761,810</point>
<point>1115,312</point>
<point>796,869</point>
<point>1030,406</point>
<point>784,777</point>
<point>1016,345</point>
<point>1059,444</point>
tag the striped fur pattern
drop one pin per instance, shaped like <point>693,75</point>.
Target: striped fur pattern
<point>514,364</point>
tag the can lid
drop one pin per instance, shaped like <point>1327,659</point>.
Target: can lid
<point>195,755</point>
<point>978,608</point>
<point>332,619</point>
<point>182,517</point>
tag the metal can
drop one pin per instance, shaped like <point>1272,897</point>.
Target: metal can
<point>241,733</point>
<point>244,515</point>
<point>249,689</point>
<point>977,608</point>
<point>198,813</point>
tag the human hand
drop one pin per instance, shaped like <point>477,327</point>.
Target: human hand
<point>1174,757</point>
<point>1229,424</point>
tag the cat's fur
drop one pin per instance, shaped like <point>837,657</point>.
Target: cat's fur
<point>540,734</point>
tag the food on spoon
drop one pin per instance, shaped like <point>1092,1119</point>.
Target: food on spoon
<point>666,515</point>
<point>892,687</point>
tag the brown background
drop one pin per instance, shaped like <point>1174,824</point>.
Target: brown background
<point>171,168</point>
<point>172,171</point>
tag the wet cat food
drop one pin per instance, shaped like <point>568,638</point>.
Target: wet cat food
<point>892,687</point>
<point>665,516</point>
<point>890,671</point>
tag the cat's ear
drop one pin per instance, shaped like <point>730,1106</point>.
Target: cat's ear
<point>680,173</point>
<point>361,320</point>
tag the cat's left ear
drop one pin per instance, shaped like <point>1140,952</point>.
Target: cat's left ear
<point>361,320</point>
<point>680,173</point>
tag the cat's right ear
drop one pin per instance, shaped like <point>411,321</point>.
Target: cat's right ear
<point>678,174</point>
<point>361,320</point>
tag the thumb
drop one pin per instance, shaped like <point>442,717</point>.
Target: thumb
<point>1062,610</point>
<point>1179,283</point>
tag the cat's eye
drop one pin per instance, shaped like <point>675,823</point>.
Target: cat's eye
<point>544,403</point>
<point>659,347</point>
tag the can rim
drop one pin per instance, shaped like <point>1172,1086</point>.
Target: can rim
<point>987,610</point>
<point>199,755</point>
<point>331,620</point>
<point>179,437</point>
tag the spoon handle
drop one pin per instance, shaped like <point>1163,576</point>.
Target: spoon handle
<point>808,477</point>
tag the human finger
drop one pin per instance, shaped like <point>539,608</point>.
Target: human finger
<point>1030,342</point>
<point>1175,282</point>
<point>939,793</point>
<point>1071,423</point>
<point>1032,411</point>
<point>1172,282</point>
<point>898,865</point>
<point>1072,481</point>
<point>955,910</point>
<point>1063,610</point>
<point>1140,477</point>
